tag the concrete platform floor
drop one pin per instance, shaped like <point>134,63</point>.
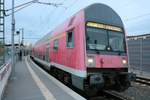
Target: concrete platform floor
<point>30,83</point>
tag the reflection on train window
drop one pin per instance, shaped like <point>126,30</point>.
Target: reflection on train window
<point>55,44</point>
<point>70,39</point>
<point>96,39</point>
<point>116,41</point>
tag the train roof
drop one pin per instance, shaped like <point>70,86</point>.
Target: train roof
<point>103,14</point>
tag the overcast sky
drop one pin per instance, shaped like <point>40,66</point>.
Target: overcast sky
<point>37,19</point>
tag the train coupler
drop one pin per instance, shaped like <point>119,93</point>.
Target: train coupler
<point>96,80</point>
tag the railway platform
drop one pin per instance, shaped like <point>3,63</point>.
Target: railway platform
<point>30,82</point>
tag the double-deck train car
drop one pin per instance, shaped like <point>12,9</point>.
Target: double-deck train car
<point>88,50</point>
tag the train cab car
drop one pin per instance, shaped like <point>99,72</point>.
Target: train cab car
<point>88,50</point>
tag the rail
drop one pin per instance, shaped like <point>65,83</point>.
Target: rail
<point>110,95</point>
<point>116,95</point>
<point>143,80</point>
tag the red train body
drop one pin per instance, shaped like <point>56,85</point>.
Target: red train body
<point>88,50</point>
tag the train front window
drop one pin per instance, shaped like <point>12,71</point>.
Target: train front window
<point>116,41</point>
<point>102,40</point>
<point>96,39</point>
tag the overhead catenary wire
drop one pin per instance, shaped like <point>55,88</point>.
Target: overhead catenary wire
<point>29,37</point>
<point>57,4</point>
<point>44,23</point>
<point>33,1</point>
<point>19,9</point>
<point>24,5</point>
<point>70,6</point>
<point>53,4</point>
<point>49,17</point>
<point>64,12</point>
<point>137,17</point>
<point>45,3</point>
<point>32,38</point>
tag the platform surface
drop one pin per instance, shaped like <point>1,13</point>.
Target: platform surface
<point>30,83</point>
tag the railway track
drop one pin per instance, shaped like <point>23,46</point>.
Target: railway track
<point>142,80</point>
<point>110,95</point>
<point>116,96</point>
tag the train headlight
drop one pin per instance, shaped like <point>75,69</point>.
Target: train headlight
<point>90,62</point>
<point>124,61</point>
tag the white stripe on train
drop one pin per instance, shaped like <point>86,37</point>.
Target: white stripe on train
<point>76,72</point>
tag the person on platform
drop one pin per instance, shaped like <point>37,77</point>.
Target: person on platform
<point>20,55</point>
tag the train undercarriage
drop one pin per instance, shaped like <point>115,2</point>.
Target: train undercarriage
<point>115,79</point>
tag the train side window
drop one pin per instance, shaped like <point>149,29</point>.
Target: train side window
<point>70,39</point>
<point>55,47</point>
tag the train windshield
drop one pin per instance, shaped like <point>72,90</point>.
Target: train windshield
<point>105,40</point>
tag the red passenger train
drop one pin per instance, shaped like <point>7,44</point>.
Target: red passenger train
<point>88,50</point>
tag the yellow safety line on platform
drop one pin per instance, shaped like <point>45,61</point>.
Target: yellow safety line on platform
<point>46,93</point>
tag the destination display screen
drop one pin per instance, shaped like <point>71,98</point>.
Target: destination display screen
<point>104,26</point>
